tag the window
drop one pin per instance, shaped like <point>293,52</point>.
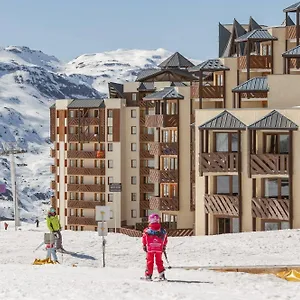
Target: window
<point>110,179</point>
<point>227,185</point>
<point>110,197</point>
<point>109,130</point>
<point>133,97</point>
<point>133,213</point>
<point>133,196</point>
<point>133,113</point>
<point>109,113</point>
<point>110,164</point>
<point>111,214</point>
<point>277,188</point>
<point>276,143</point>
<point>133,180</point>
<point>110,147</point>
<point>226,142</point>
<point>133,163</point>
<point>169,136</point>
<point>133,146</point>
<point>169,163</point>
<point>168,190</point>
<point>133,129</point>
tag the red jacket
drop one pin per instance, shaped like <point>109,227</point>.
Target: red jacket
<point>154,238</point>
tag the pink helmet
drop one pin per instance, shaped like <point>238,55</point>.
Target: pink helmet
<point>153,218</point>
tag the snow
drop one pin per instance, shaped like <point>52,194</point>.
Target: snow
<point>125,262</point>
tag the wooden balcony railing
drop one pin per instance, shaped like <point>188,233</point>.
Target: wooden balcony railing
<point>145,137</point>
<point>81,221</point>
<point>53,169</point>
<point>146,187</point>
<point>85,137</point>
<point>291,32</point>
<point>84,204</point>
<point>85,154</point>
<point>166,225</point>
<point>144,171</point>
<point>256,62</point>
<point>146,154</point>
<point>255,95</point>
<point>157,148</point>
<point>163,176</point>
<point>52,153</point>
<point>208,91</point>
<point>144,204</point>
<point>262,164</point>
<point>221,205</point>
<point>93,188</point>
<point>270,208</point>
<point>84,121</point>
<point>53,185</point>
<point>86,171</point>
<point>163,203</point>
<point>219,162</point>
<point>161,121</point>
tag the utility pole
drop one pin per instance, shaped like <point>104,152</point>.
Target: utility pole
<point>10,149</point>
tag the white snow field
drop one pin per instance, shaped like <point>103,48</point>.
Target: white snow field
<point>125,262</point>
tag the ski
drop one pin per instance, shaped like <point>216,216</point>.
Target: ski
<point>156,279</point>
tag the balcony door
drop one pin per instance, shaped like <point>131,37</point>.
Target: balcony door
<point>227,225</point>
<point>168,190</point>
<point>226,142</point>
<point>276,143</point>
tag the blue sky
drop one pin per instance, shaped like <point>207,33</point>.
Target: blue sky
<point>69,28</point>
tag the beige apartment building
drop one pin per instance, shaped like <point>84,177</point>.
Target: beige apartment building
<point>183,142</point>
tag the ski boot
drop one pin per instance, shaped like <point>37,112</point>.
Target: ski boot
<point>148,277</point>
<point>162,276</point>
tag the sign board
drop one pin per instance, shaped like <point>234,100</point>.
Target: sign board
<point>102,229</point>
<point>115,187</point>
<point>102,213</point>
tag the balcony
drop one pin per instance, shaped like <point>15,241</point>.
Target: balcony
<point>144,171</point>
<point>221,205</point>
<point>85,154</point>
<point>144,204</point>
<point>53,185</point>
<point>219,162</point>
<point>208,92</point>
<point>53,153</point>
<point>161,121</point>
<point>86,171</point>
<point>163,176</point>
<point>146,187</point>
<point>157,148</point>
<point>256,62</point>
<point>145,137</point>
<point>53,169</point>
<point>84,204</point>
<point>270,209</point>
<point>291,32</point>
<point>81,221</point>
<point>164,204</point>
<point>84,121</point>
<point>92,188</point>
<point>86,137</point>
<point>145,154</point>
<point>269,164</point>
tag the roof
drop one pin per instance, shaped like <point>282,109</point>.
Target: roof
<point>224,36</point>
<point>52,106</point>
<point>224,121</point>
<point>115,90</point>
<point>209,65</point>
<point>253,24</point>
<point>176,61</point>
<point>288,22</point>
<point>274,120</point>
<point>295,52</point>
<point>178,84</point>
<point>146,86</point>
<point>256,84</point>
<point>257,35</point>
<point>87,103</point>
<point>292,8</point>
<point>146,73</point>
<point>168,93</point>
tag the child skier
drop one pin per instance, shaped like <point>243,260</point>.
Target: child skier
<point>154,244</point>
<point>51,252</point>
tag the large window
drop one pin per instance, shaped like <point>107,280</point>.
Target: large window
<point>168,163</point>
<point>226,142</point>
<point>227,185</point>
<point>276,143</point>
<point>168,190</point>
<point>169,136</point>
<point>276,188</point>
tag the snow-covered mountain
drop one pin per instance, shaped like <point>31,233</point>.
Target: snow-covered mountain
<point>30,81</point>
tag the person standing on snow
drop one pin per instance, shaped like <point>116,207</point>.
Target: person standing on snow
<point>54,226</point>
<point>37,222</point>
<point>5,225</point>
<point>154,242</point>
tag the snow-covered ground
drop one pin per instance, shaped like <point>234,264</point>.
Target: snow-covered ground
<point>125,263</point>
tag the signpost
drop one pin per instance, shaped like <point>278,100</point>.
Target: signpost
<point>115,188</point>
<point>102,214</point>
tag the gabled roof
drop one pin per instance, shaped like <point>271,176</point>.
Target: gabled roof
<point>168,93</point>
<point>294,52</point>
<point>253,25</point>
<point>288,22</point>
<point>146,86</point>
<point>256,35</point>
<point>292,8</point>
<point>176,61</point>
<point>224,121</point>
<point>256,84</point>
<point>224,36</point>
<point>209,65</point>
<point>146,73</point>
<point>115,90</point>
<point>52,106</point>
<point>87,103</point>
<point>274,121</point>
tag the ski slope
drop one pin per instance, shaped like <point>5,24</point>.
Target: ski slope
<point>81,276</point>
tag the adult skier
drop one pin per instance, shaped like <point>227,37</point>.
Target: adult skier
<point>154,244</point>
<point>55,227</point>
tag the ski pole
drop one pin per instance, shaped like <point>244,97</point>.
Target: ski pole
<point>165,253</point>
<point>39,246</point>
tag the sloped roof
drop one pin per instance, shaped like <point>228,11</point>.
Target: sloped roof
<point>176,60</point>
<point>224,36</point>
<point>253,25</point>
<point>256,84</point>
<point>178,84</point>
<point>294,52</point>
<point>224,121</point>
<point>146,73</point>
<point>274,120</point>
<point>209,65</point>
<point>146,86</point>
<point>168,93</point>
<point>115,90</point>
<point>257,35</point>
<point>288,22</point>
<point>52,106</point>
<point>87,103</point>
<point>292,8</point>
